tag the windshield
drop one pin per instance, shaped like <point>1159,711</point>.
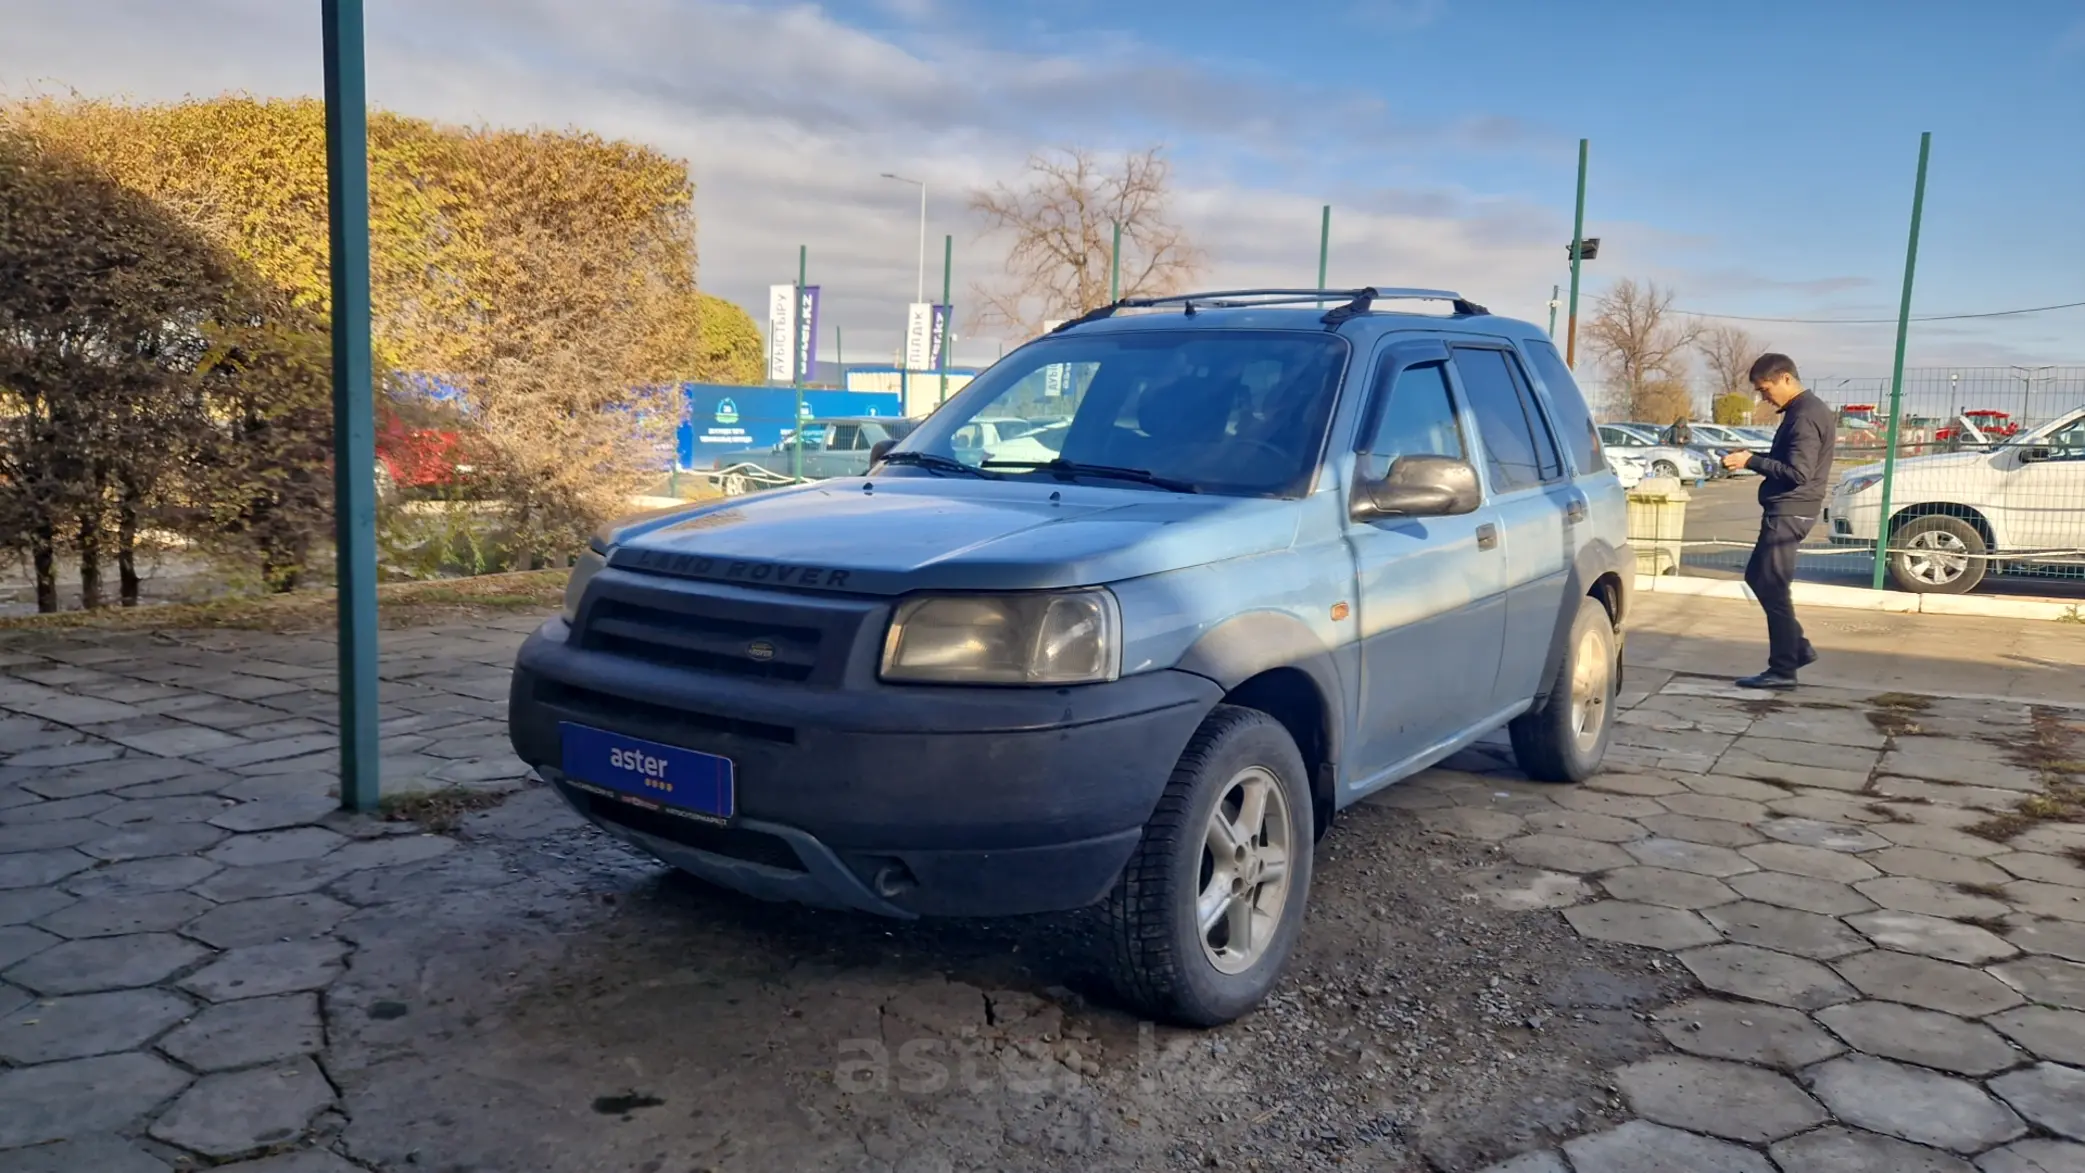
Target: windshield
<point>1235,412</point>
<point>2067,432</point>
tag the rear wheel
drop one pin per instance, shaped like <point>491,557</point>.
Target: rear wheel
<point>1665,468</point>
<point>1565,738</point>
<point>1937,555</point>
<point>1206,912</point>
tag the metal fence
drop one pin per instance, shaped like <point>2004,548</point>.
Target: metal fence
<point>1986,488</point>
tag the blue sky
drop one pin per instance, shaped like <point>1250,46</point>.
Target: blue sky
<point>1757,158</point>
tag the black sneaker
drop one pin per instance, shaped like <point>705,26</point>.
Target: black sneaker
<point>1773,681</point>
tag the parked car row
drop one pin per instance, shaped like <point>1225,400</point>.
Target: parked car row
<point>1660,459</point>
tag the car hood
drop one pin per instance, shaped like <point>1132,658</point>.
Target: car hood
<point>895,535</point>
<point>1940,464</point>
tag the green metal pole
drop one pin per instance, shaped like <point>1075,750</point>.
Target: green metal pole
<point>796,363</point>
<point>1889,454</point>
<point>1324,243</point>
<point>1115,266</point>
<point>1553,291</point>
<point>948,321</point>
<point>354,425</point>
<point>1577,239</point>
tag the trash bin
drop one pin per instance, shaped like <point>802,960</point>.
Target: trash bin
<point>1658,524</point>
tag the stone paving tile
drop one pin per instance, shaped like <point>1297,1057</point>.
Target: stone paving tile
<point>1692,829</point>
<point>1828,727</point>
<point>93,1153</point>
<point>1946,839</point>
<point>1748,1032</point>
<point>2034,1156</point>
<point>2048,980</point>
<point>1925,1037</point>
<point>2065,939</point>
<point>1827,806</point>
<point>1981,798</point>
<point>2047,1032</point>
<point>105,963</point>
<point>19,942</point>
<point>279,879</point>
<point>1681,855</point>
<point>34,869</point>
<point>270,847</point>
<point>1537,1162</point>
<point>247,1032</point>
<point>1818,833</point>
<point>276,814</point>
<point>1913,1104</point>
<point>49,836</point>
<point>2049,1094</point>
<point>1932,936</point>
<point>1474,823</point>
<point>1643,1147</point>
<point>1802,893</point>
<point>152,839</point>
<point>1845,1150</point>
<point>1934,985</point>
<point>1747,971</point>
<point>1596,802</point>
<point>1647,925</point>
<point>1523,889</point>
<point>2049,869</point>
<point>2049,900</point>
<point>1939,866</point>
<point>115,916</point>
<point>51,810</point>
<point>88,1024</point>
<point>1804,934</point>
<point>1905,894</point>
<point>186,808</point>
<point>1730,1100</point>
<point>183,785</point>
<point>107,1093</point>
<point>233,1114</point>
<point>1712,806</point>
<point>2050,838</point>
<point>1562,853</point>
<point>1723,786</point>
<point>1814,862</point>
<point>1746,765</point>
<point>1633,784</point>
<point>275,918</point>
<point>259,971</point>
<point>1666,887</point>
<point>1808,753</point>
<point>22,905</point>
<point>162,873</point>
<point>1947,760</point>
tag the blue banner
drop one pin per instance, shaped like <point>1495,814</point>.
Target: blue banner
<point>720,420</point>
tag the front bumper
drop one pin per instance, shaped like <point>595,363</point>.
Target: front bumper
<point>898,800</point>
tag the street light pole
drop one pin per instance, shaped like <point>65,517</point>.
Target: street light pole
<point>920,294</point>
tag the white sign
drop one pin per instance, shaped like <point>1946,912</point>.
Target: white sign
<point>781,332</point>
<point>919,337</point>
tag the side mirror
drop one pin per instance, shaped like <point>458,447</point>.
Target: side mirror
<point>2036,455</point>
<point>1418,486</point>
<point>879,450</point>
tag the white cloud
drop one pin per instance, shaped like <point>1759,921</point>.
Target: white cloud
<point>788,117</point>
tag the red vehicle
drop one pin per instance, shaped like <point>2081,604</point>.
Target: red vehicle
<point>1983,424</point>
<point>419,446</point>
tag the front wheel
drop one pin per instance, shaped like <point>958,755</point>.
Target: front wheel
<point>1665,468</point>
<point>1564,739</point>
<point>1937,555</point>
<point>1206,912</point>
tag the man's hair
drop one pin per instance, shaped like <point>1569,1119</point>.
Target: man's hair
<point>1768,367</point>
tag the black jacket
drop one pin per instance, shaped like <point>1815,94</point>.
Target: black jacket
<point>1796,471</point>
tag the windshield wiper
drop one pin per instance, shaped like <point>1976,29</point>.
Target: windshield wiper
<point>1071,468</point>
<point>935,461</point>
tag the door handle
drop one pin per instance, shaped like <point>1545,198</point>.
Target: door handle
<point>1574,510</point>
<point>1487,537</point>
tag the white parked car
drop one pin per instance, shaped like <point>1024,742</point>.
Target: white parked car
<point>1957,516</point>
<point>1663,460</point>
<point>1630,470</point>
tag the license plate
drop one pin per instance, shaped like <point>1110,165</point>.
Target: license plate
<point>650,774</point>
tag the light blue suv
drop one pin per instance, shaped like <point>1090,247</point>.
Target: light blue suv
<point>1274,558</point>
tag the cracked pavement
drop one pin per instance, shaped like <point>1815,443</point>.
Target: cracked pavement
<point>1776,935</point>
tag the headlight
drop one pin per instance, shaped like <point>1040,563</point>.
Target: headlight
<point>1859,484</point>
<point>590,564</point>
<point>1068,637</point>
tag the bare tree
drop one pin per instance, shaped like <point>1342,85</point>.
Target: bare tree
<point>1641,347</point>
<point>1727,352</point>
<point>1061,218</point>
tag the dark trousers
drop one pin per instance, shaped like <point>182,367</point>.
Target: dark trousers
<point>1768,573</point>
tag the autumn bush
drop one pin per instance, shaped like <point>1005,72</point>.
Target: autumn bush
<point>163,274</point>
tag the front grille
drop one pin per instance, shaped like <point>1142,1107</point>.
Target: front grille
<point>707,643</point>
<point>730,842</point>
<point>608,711</point>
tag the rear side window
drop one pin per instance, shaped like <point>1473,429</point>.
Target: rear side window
<point>1574,422</point>
<point>1503,425</point>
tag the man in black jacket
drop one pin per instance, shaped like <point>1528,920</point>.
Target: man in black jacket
<point>1794,475</point>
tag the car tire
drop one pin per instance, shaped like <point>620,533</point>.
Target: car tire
<point>1165,965</point>
<point>1665,468</point>
<point>1564,739</point>
<point>1937,555</point>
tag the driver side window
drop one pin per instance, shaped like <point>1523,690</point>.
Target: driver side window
<point>1414,415</point>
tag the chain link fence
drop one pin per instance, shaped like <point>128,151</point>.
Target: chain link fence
<point>1986,487</point>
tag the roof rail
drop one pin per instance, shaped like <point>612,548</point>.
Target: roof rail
<point>1357,301</point>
